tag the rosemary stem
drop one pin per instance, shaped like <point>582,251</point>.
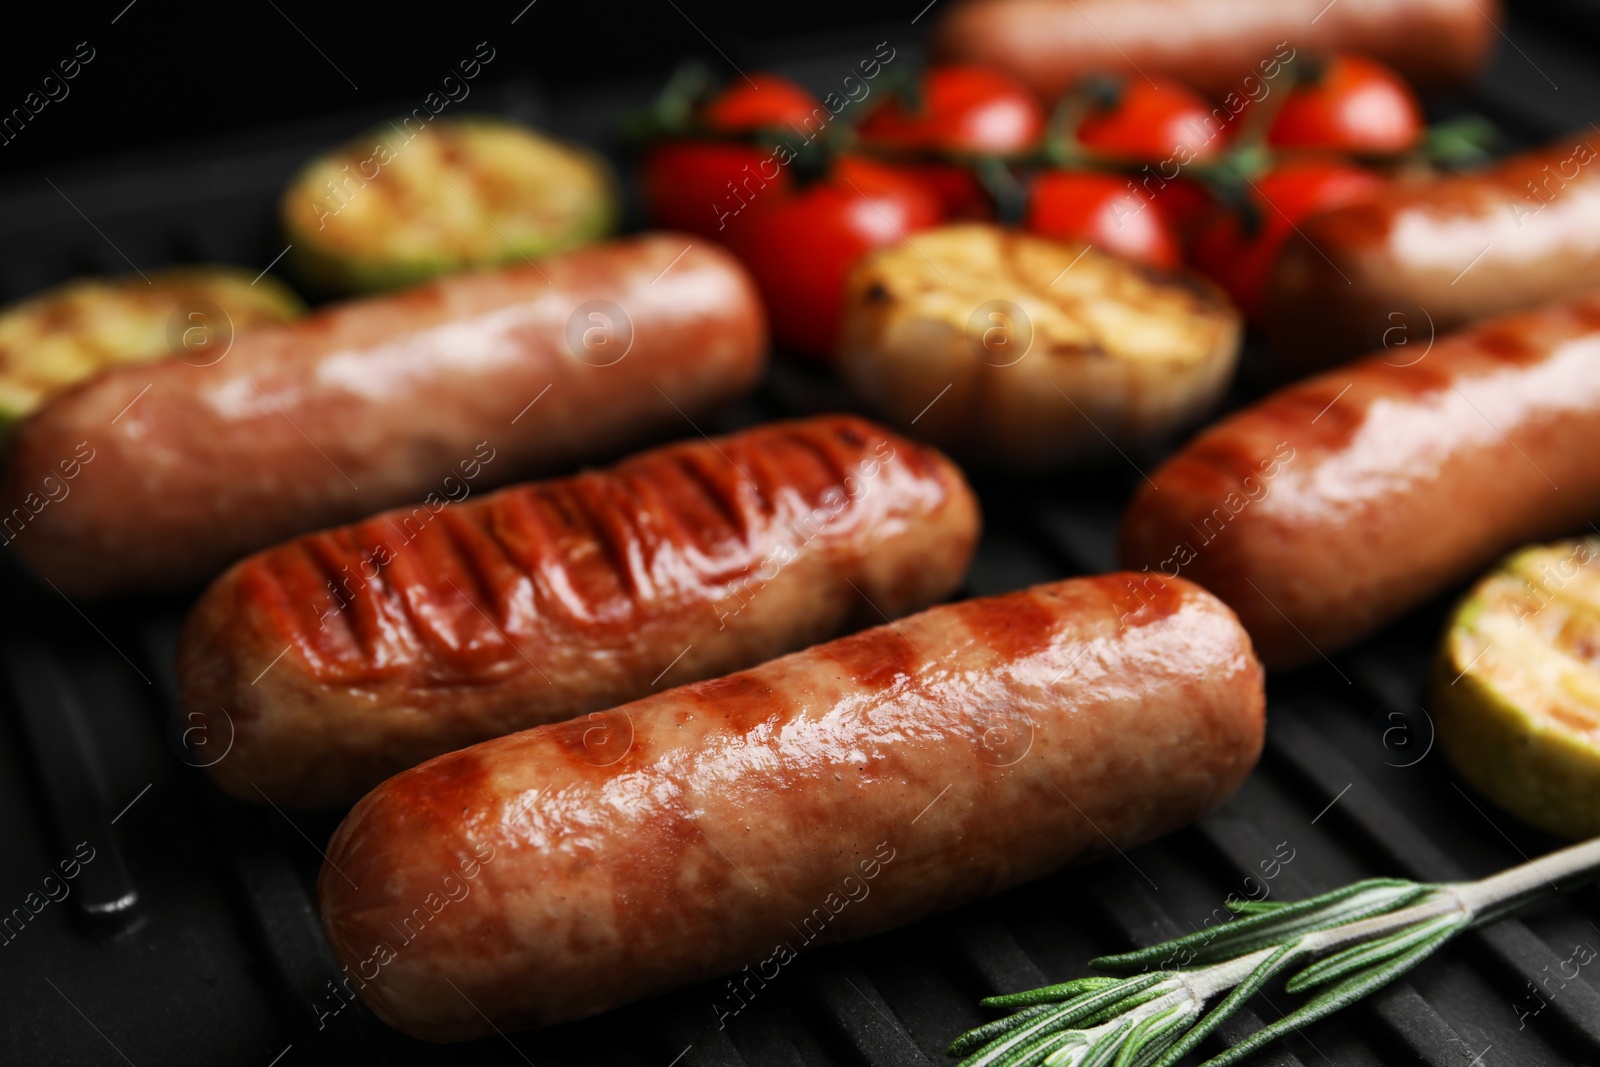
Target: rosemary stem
<point>1494,895</point>
<point>1159,1017</point>
<point>1212,980</point>
<point>1447,900</point>
<point>1578,862</point>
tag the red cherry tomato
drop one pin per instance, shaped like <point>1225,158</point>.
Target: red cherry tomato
<point>968,109</point>
<point>1103,210</point>
<point>962,109</point>
<point>1239,261</point>
<point>763,102</point>
<point>1185,203</point>
<point>801,248</point>
<point>1357,105</point>
<point>1155,121</point>
<point>710,187</point>
<point>961,195</point>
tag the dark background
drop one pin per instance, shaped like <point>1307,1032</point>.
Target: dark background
<point>166,73</point>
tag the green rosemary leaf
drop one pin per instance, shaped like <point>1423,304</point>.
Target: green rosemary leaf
<point>1340,996</point>
<point>1282,959</point>
<point>1127,1004</point>
<point>1155,1018</point>
<point>1365,955</point>
<point>1151,1037</point>
<point>1052,993</point>
<point>1287,923</point>
<point>982,1035</point>
<point>1011,1047</point>
<point>1040,1049</point>
<point>1241,936</point>
<point>1089,1003</point>
<point>1106,1047</point>
<point>1283,926</point>
<point>1059,1018</point>
<point>1254,907</point>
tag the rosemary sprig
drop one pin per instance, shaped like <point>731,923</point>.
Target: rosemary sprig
<point>1361,938</point>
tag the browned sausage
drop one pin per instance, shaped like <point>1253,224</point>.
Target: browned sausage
<point>340,658</point>
<point>181,469</point>
<point>827,795</point>
<point>1217,47</point>
<point>1338,503</point>
<point>1421,259</point>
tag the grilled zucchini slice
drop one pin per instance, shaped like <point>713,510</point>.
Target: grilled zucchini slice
<point>405,203</point>
<point>1517,691</point>
<point>1030,352</point>
<point>58,338</point>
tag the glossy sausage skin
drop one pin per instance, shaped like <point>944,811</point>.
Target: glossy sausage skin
<point>1421,259</point>
<point>375,403</point>
<point>911,768</point>
<point>1338,503</point>
<point>342,657</point>
<point>1213,45</point>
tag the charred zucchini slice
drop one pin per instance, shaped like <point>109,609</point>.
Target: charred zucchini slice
<point>1517,694</point>
<point>407,202</point>
<point>57,338</point>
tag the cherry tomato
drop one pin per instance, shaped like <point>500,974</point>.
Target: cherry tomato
<point>709,187</point>
<point>1155,121</point>
<point>801,248</point>
<point>962,109</point>
<point>764,102</point>
<point>1239,261</point>
<point>1356,105</point>
<point>1185,203</point>
<point>968,109</point>
<point>961,195</point>
<point>1105,211</point>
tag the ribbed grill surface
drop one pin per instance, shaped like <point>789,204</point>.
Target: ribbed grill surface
<point>221,960</point>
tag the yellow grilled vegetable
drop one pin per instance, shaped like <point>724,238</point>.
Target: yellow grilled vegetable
<point>407,202</point>
<point>1006,346</point>
<point>1517,694</point>
<point>60,337</point>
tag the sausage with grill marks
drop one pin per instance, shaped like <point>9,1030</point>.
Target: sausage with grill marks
<point>373,403</point>
<point>1337,504</point>
<point>830,794</point>
<point>340,658</point>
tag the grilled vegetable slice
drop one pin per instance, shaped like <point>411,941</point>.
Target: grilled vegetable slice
<point>57,338</point>
<point>1030,351</point>
<point>1517,693</point>
<point>405,203</point>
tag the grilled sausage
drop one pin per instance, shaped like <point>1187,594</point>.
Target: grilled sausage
<point>1219,48</point>
<point>1338,503</point>
<point>375,403</point>
<point>827,795</point>
<point>342,657</point>
<point>1420,259</point>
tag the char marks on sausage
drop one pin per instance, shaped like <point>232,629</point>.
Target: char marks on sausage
<point>344,656</point>
<point>826,795</point>
<point>1381,483</point>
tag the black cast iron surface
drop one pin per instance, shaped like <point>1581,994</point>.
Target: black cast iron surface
<point>191,936</point>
